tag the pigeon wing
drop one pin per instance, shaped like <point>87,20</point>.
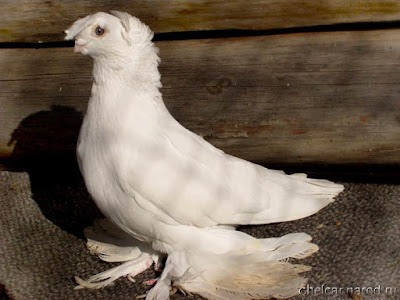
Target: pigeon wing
<point>194,183</point>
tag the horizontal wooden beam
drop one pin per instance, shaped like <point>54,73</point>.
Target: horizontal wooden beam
<point>285,99</point>
<point>44,21</point>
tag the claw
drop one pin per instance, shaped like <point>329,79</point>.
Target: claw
<point>182,291</point>
<point>151,281</point>
<point>173,291</point>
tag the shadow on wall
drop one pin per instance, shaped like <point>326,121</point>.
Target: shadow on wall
<point>45,144</point>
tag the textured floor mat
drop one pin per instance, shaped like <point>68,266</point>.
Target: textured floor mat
<point>41,244</point>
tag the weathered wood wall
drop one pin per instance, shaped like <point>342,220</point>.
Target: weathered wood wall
<point>43,20</point>
<point>317,98</point>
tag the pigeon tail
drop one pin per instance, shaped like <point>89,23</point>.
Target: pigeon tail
<point>301,197</point>
<point>260,272</point>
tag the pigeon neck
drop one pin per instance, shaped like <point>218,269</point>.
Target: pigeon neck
<point>133,68</point>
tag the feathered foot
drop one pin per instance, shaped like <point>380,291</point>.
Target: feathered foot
<point>260,272</point>
<point>130,268</point>
<point>111,244</point>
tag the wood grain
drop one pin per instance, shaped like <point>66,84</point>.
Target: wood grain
<point>283,99</point>
<point>45,20</point>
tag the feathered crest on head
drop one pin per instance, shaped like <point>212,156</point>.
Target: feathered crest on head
<point>134,30</point>
<point>124,17</point>
<point>74,30</point>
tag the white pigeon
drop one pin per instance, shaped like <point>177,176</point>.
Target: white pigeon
<point>167,191</point>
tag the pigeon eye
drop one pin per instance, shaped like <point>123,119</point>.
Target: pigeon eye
<point>99,30</point>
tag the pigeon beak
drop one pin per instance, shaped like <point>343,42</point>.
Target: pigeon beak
<point>79,45</point>
<point>78,48</point>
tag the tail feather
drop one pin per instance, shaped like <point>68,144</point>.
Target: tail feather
<point>273,243</point>
<point>295,245</point>
<point>303,197</point>
<point>298,250</point>
<point>316,186</point>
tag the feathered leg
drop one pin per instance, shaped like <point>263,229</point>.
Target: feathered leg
<point>130,268</point>
<point>113,245</point>
<point>255,272</point>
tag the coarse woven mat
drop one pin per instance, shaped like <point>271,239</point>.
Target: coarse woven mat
<point>41,245</point>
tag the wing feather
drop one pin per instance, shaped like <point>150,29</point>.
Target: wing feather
<point>194,182</point>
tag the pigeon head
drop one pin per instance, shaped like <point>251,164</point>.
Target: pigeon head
<point>103,34</point>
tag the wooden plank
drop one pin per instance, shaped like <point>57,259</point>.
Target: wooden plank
<point>284,99</point>
<point>45,20</point>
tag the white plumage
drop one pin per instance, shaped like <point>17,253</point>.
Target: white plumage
<point>167,191</point>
